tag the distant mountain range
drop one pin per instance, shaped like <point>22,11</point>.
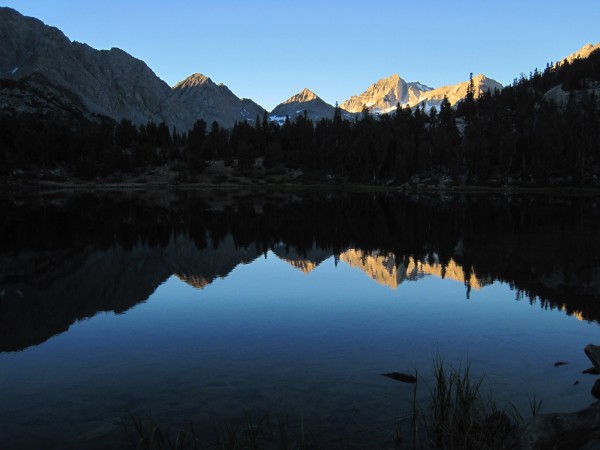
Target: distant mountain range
<point>383,97</point>
<point>56,75</point>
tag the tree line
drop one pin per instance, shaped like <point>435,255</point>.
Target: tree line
<point>515,134</point>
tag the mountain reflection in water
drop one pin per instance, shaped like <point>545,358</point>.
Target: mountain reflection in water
<point>66,257</point>
<point>266,300</point>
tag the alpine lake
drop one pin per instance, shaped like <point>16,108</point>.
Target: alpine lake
<point>216,307</point>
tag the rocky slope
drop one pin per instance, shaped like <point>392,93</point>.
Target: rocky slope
<point>583,52</point>
<point>109,82</point>
<point>456,92</point>
<point>385,94</point>
<point>206,100</point>
<point>20,96</point>
<point>560,96</point>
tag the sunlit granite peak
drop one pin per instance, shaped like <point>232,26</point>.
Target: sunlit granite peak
<point>457,92</point>
<point>195,79</point>
<point>583,52</point>
<point>561,96</point>
<point>384,95</point>
<point>306,95</point>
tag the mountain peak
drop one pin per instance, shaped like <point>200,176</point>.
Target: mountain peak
<point>385,94</point>
<point>193,80</point>
<point>306,100</point>
<point>306,95</point>
<point>204,99</point>
<point>456,92</point>
<point>583,52</point>
<point>482,80</point>
<point>394,78</point>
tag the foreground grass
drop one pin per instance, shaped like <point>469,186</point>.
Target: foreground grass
<point>458,415</point>
<point>264,433</point>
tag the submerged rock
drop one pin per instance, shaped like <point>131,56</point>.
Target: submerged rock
<point>404,378</point>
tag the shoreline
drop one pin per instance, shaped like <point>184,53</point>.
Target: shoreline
<point>8,186</point>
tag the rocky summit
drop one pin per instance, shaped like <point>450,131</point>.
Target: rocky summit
<point>206,100</point>
<point>456,92</point>
<point>582,53</point>
<point>559,95</point>
<point>385,94</point>
<point>297,104</point>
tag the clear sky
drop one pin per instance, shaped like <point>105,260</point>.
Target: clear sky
<point>268,50</point>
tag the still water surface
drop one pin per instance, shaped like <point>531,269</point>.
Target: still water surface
<point>284,304</point>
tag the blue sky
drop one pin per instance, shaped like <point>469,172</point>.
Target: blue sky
<point>269,50</point>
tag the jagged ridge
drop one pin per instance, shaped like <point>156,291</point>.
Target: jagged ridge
<point>385,94</point>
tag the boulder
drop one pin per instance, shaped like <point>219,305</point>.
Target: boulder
<point>574,431</point>
<point>593,352</point>
<point>596,389</point>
